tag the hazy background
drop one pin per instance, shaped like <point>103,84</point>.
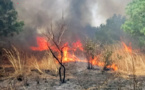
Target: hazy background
<point>81,17</point>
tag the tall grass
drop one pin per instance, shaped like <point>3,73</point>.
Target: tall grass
<point>15,59</point>
<point>45,63</point>
<point>32,63</point>
<point>128,62</point>
<point>24,63</point>
<point>49,63</point>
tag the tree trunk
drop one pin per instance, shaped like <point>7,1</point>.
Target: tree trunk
<point>62,74</point>
<point>60,78</point>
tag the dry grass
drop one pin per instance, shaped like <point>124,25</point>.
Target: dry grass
<point>127,61</point>
<point>24,63</point>
<point>3,72</point>
<point>46,63</point>
<point>15,59</point>
<point>49,63</point>
<point>122,58</point>
<point>32,63</point>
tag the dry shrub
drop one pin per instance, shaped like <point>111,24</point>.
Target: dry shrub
<point>128,63</point>
<point>15,59</point>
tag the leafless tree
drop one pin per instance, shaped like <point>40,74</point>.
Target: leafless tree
<point>56,41</point>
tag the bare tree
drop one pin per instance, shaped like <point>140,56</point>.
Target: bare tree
<point>58,55</point>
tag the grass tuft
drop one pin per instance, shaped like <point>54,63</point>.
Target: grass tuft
<point>15,59</point>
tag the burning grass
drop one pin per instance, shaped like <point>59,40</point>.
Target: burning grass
<point>70,50</point>
<point>122,58</point>
<point>128,61</point>
<point>118,58</point>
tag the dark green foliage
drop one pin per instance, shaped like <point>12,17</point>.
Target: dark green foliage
<point>8,19</point>
<point>110,32</point>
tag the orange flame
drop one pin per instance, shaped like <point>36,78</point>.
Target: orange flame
<point>69,52</point>
<point>113,66</point>
<point>78,45</point>
<point>127,48</point>
<point>96,61</point>
<point>42,44</point>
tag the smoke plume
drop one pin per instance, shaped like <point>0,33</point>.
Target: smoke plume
<point>80,16</point>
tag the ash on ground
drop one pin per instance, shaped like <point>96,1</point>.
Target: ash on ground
<point>78,77</point>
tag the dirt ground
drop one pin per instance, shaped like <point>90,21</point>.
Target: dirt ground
<point>78,77</point>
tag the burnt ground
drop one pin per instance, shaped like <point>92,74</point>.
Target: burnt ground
<point>78,77</point>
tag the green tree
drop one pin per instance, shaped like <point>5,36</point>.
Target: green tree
<point>135,23</point>
<point>8,19</point>
<point>110,32</point>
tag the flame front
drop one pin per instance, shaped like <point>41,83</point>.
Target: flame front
<point>42,44</point>
<point>127,48</point>
<point>78,45</point>
<point>69,52</point>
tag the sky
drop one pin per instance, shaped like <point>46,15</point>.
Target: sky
<point>106,8</point>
